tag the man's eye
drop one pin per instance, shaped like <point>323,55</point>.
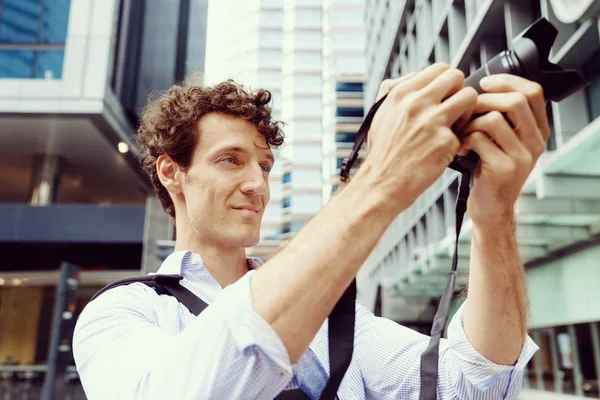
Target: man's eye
<point>266,168</point>
<point>228,160</point>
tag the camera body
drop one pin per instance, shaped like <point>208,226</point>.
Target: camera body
<point>528,58</point>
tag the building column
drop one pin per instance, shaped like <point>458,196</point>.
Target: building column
<point>577,375</point>
<point>596,346</point>
<point>45,180</point>
<point>539,372</point>
<point>556,372</point>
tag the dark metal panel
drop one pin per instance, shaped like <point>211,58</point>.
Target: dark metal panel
<point>71,223</point>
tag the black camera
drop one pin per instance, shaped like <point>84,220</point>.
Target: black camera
<point>528,59</point>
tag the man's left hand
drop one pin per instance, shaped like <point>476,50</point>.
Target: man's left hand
<point>507,153</point>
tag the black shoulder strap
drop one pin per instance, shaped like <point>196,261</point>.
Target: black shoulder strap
<point>341,340</point>
<point>430,357</point>
<point>163,284</point>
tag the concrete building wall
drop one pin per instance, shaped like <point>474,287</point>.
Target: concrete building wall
<point>407,36</point>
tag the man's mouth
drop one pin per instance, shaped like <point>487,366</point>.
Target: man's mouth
<point>248,208</point>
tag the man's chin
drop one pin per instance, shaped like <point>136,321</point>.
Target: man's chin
<point>246,239</point>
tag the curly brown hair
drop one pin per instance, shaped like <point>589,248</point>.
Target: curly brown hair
<point>168,123</point>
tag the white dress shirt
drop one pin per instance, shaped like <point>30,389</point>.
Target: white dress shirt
<point>131,343</point>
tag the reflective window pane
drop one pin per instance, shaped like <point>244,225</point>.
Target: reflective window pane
<point>49,64</point>
<point>55,18</point>
<point>15,63</point>
<point>20,21</point>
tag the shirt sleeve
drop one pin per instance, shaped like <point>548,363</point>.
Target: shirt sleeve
<point>389,357</point>
<point>227,352</point>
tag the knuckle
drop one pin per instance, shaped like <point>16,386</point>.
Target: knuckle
<point>457,74</point>
<point>448,139</point>
<point>526,158</point>
<point>495,117</point>
<point>396,93</point>
<point>540,147</point>
<point>442,65</point>
<point>519,100</point>
<point>476,136</point>
<point>536,90</point>
<point>411,103</point>
<point>507,168</point>
<point>385,84</point>
<point>470,93</point>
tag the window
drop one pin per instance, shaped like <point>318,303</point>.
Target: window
<point>308,61</point>
<point>306,204</point>
<point>305,128</point>
<point>349,64</point>
<point>308,15</point>
<point>308,82</point>
<point>270,233</point>
<point>308,106</point>
<point>39,27</point>
<point>271,37</point>
<point>344,137</point>
<point>269,78</point>
<point>270,58</point>
<point>306,179</point>
<point>286,178</point>
<point>307,154</point>
<point>349,112</point>
<point>271,16</point>
<point>286,202</point>
<point>349,87</point>
<point>308,36</point>
<point>293,227</point>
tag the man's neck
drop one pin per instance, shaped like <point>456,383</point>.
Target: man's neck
<point>226,265</point>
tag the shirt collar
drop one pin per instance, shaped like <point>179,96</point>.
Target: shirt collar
<point>183,261</point>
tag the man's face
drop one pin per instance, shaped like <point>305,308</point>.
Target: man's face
<point>226,188</point>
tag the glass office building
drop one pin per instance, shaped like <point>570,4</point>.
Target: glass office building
<point>33,36</point>
<point>558,211</point>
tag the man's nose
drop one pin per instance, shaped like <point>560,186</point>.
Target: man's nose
<point>255,181</point>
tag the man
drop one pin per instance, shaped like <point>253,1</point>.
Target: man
<point>265,331</point>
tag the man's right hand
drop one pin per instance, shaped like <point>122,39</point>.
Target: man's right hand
<point>411,144</point>
<point>411,140</point>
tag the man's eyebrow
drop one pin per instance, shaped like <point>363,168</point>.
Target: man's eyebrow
<point>241,150</point>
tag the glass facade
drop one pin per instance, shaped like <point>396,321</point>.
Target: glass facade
<point>568,360</point>
<point>32,38</point>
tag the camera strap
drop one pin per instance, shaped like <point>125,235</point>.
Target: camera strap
<point>430,357</point>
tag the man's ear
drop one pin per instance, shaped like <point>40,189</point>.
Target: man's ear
<point>169,173</point>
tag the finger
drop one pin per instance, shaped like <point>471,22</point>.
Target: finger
<point>516,107</point>
<point>496,127</point>
<point>533,91</point>
<point>445,85</point>
<point>488,151</point>
<point>389,84</point>
<point>418,81</point>
<point>426,76</point>
<point>460,104</point>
